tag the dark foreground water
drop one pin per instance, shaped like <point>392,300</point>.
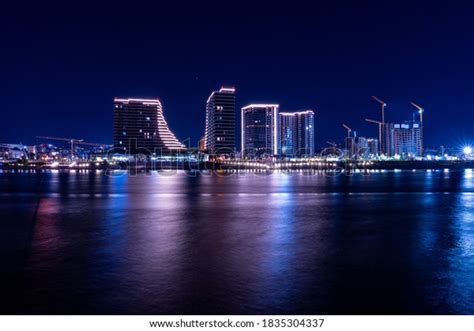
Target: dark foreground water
<point>86,243</point>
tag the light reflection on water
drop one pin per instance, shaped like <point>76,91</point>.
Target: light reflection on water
<point>391,242</point>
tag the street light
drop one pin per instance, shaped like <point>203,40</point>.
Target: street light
<point>467,150</point>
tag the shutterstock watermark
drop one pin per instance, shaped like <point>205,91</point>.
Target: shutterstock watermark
<point>135,161</point>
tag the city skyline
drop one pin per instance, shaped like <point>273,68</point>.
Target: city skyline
<point>327,57</point>
<point>133,117</point>
<point>250,165</point>
<point>236,130</point>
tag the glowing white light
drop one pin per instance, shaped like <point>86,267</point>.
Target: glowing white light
<point>261,105</point>
<point>227,89</point>
<point>242,135</point>
<point>147,101</point>
<point>275,130</point>
<point>304,112</point>
<point>467,150</point>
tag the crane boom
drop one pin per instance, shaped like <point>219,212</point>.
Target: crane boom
<point>416,106</point>
<point>347,128</point>
<point>373,121</point>
<point>71,140</point>
<point>421,110</point>
<point>59,138</point>
<point>378,100</point>
<point>381,125</point>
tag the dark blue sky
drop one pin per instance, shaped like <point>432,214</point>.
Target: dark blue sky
<point>62,65</point>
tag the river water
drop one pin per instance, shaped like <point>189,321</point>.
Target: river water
<point>180,243</point>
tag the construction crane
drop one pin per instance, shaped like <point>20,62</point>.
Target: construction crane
<point>349,130</point>
<point>421,110</point>
<point>380,124</point>
<point>73,142</point>
<point>382,127</point>
<point>348,141</point>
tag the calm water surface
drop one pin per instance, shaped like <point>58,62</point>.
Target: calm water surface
<point>391,243</point>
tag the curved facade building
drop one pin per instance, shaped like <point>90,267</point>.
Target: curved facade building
<point>140,127</point>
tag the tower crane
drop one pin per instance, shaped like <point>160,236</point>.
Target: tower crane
<point>421,110</point>
<point>72,141</point>
<point>380,124</point>
<point>382,127</point>
<point>348,139</point>
<point>349,130</point>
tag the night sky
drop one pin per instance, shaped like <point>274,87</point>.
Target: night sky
<point>61,66</point>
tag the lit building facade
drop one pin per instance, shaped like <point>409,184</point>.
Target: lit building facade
<point>404,140</point>
<point>373,146</point>
<point>350,147</point>
<point>140,127</point>
<point>361,147</point>
<point>260,130</point>
<point>220,122</point>
<point>297,133</point>
<point>202,145</point>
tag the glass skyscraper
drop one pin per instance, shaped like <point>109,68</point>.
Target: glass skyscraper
<point>297,133</point>
<point>219,135</point>
<point>140,127</point>
<point>260,130</point>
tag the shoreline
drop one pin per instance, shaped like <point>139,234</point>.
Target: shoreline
<point>232,166</point>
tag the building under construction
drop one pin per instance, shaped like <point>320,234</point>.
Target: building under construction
<point>404,140</point>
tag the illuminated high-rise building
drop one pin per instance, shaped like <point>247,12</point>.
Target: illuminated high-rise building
<point>404,140</point>
<point>260,130</point>
<point>140,127</point>
<point>297,133</point>
<point>220,122</point>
